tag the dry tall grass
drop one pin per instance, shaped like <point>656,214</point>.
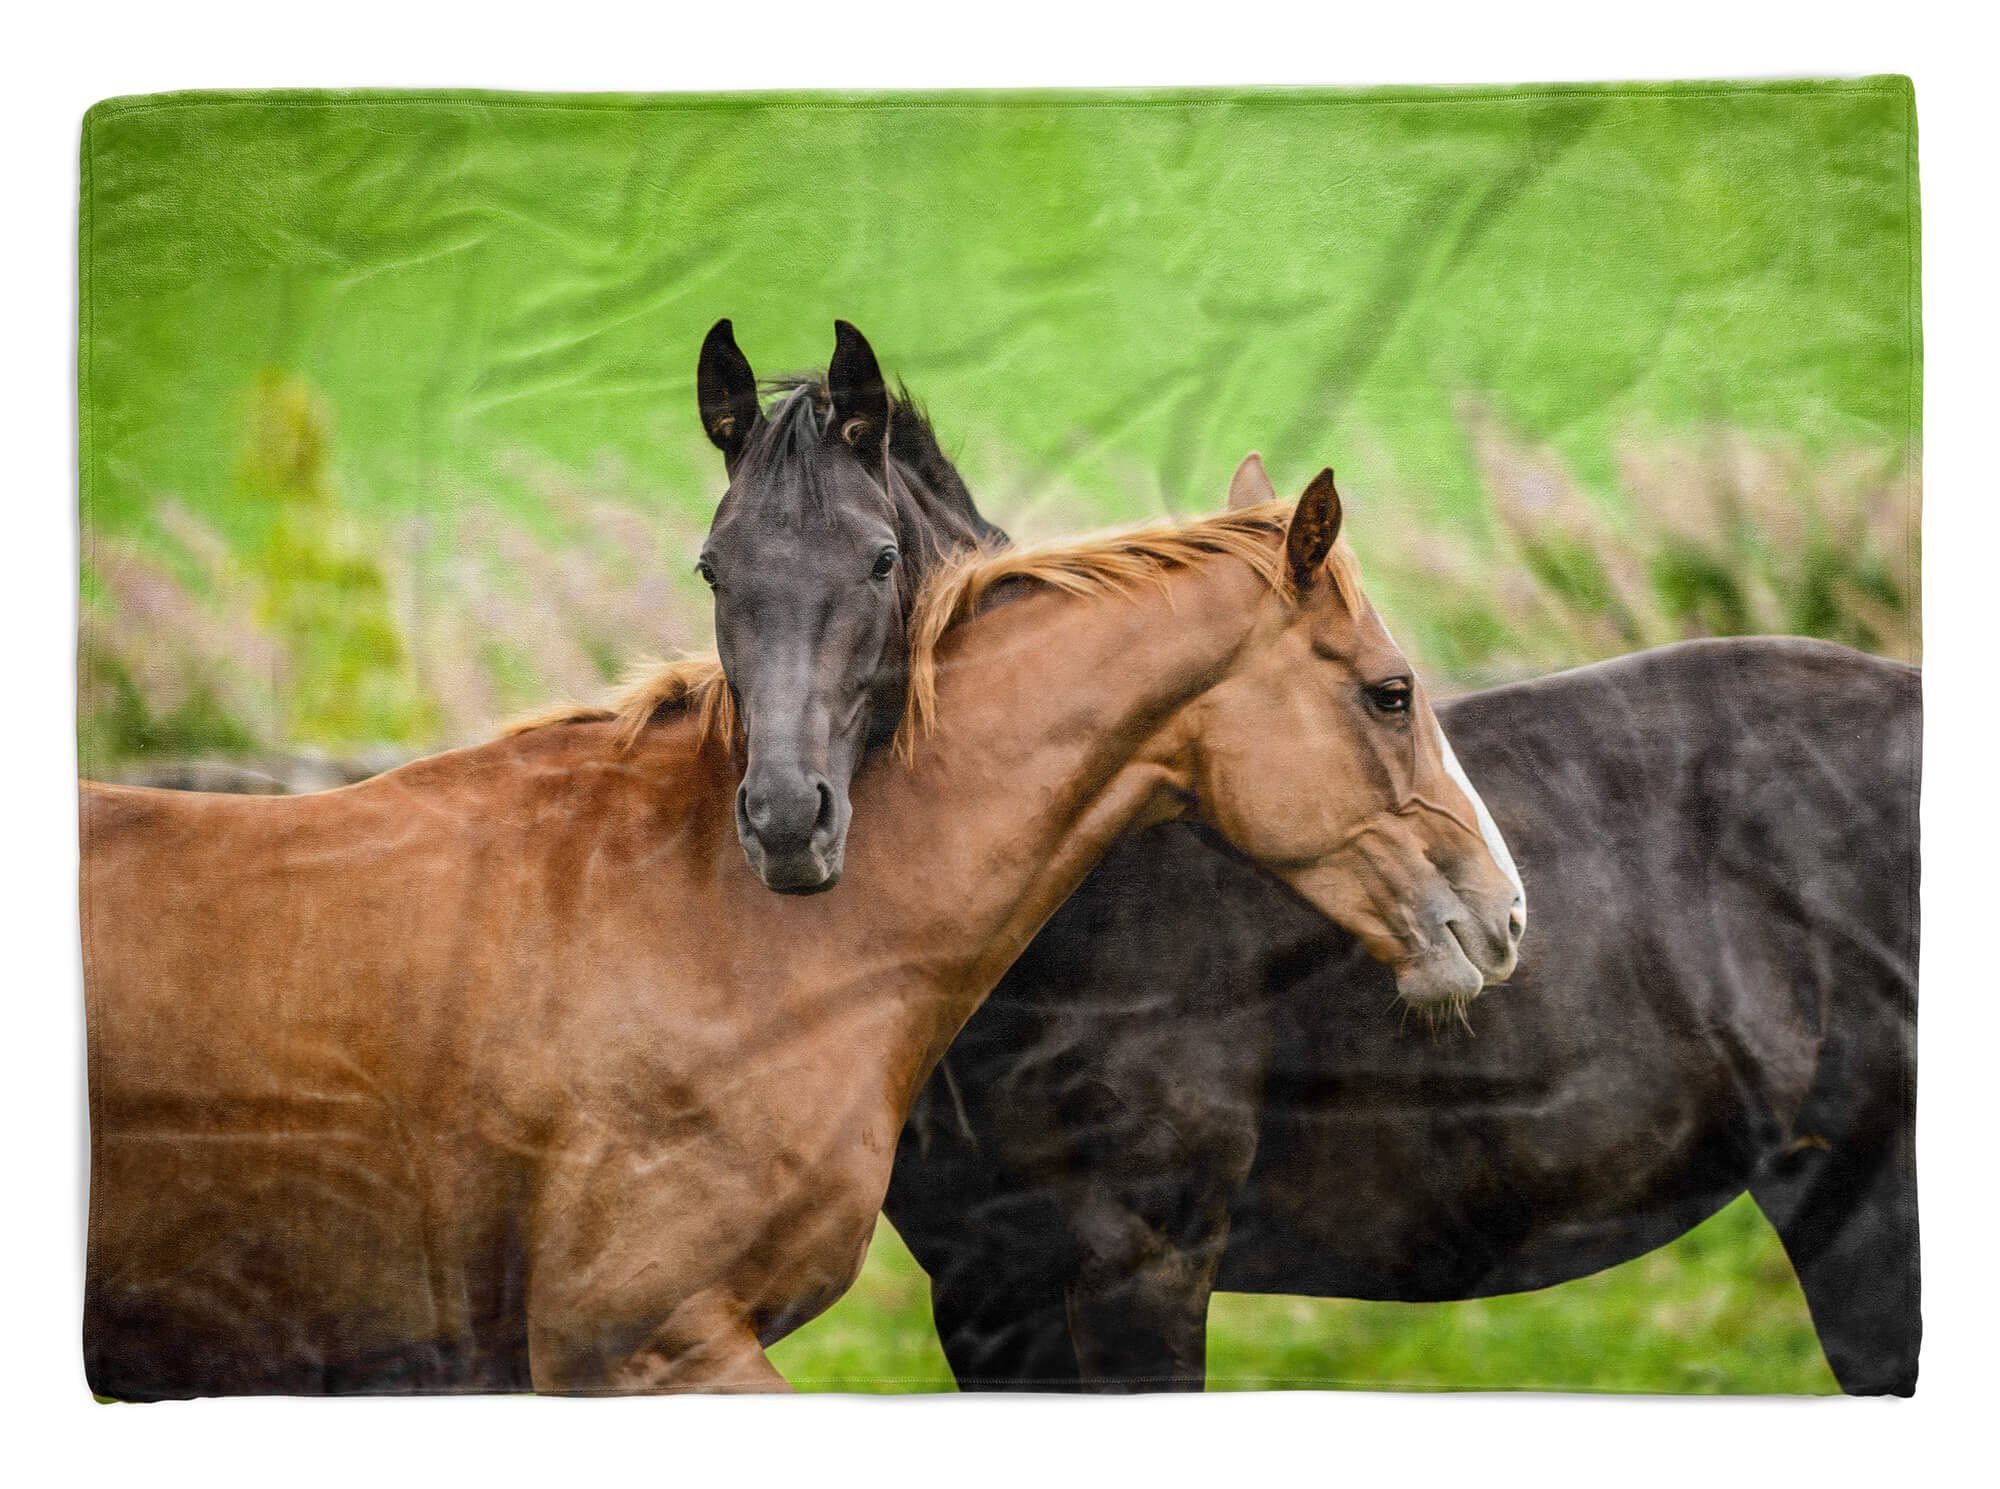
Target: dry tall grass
<point>341,634</point>
<point>1714,534</point>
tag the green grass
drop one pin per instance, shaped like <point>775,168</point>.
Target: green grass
<point>1719,1310</point>
<point>1716,1311</point>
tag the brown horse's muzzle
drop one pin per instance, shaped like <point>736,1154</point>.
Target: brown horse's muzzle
<point>1448,932</point>
<point>1470,942</point>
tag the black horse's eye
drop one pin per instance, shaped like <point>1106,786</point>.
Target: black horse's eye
<point>1392,696</point>
<point>707,571</point>
<point>885,563</point>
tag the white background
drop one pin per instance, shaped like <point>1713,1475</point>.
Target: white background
<point>63,57</point>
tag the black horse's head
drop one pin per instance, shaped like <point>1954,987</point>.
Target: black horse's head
<point>839,503</point>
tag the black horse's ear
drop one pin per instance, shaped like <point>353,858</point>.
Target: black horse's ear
<point>860,397</point>
<point>726,390</point>
<point>1315,524</point>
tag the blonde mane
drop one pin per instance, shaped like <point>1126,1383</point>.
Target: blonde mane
<point>1112,563</point>
<point>688,685</point>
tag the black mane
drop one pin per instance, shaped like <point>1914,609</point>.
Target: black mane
<point>792,425</point>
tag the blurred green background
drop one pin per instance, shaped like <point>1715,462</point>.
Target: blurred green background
<point>388,432</point>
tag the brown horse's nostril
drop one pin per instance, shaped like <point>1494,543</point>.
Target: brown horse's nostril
<point>1517,918</point>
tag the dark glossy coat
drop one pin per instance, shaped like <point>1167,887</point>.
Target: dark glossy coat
<point>1190,1081</point>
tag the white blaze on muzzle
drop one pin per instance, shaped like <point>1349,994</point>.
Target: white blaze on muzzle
<point>1489,830</point>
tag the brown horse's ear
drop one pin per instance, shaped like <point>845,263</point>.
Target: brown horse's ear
<point>1315,525</point>
<point>1251,485</point>
<point>726,390</point>
<point>860,397</point>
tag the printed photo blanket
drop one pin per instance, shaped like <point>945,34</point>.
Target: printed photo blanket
<point>1106,741</point>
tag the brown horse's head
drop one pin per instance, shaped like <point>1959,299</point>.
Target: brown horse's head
<point>839,504</point>
<point>1318,755</point>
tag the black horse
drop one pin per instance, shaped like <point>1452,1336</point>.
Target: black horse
<point>1191,1081</point>
<point>839,504</point>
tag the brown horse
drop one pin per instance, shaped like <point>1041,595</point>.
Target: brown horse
<point>500,1071</point>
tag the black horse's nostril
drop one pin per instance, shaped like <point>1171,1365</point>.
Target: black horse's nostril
<point>751,812</point>
<point>784,812</point>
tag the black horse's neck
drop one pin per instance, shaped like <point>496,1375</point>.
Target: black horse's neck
<point>913,444</point>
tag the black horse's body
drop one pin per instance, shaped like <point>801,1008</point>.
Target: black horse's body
<point>1190,1081</point>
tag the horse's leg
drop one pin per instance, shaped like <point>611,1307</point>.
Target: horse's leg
<point>1843,1195</point>
<point>627,1339</point>
<point>1162,1144</point>
<point>1847,1214</point>
<point>704,1344</point>
<point>1002,1327</point>
<point>993,1244</point>
<point>997,1265</point>
<point>1138,1304</point>
<point>627,1294</point>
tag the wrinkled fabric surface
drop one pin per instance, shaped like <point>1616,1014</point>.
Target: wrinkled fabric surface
<point>389,431</point>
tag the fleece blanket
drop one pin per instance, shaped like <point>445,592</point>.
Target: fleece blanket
<point>1450,924</point>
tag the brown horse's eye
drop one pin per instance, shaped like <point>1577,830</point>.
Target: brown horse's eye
<point>1392,696</point>
<point>707,571</point>
<point>885,563</point>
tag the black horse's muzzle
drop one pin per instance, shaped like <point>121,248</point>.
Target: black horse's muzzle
<point>793,828</point>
